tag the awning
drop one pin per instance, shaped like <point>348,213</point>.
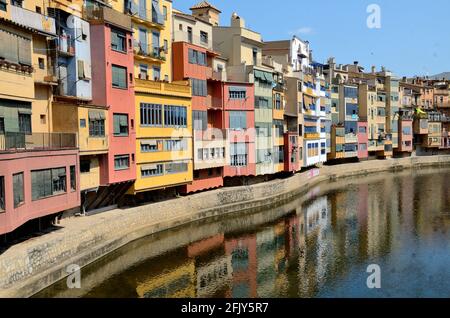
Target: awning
<point>259,75</point>
<point>268,77</point>
<point>148,142</point>
<point>237,89</point>
<point>96,115</point>
<point>149,167</point>
<point>24,111</point>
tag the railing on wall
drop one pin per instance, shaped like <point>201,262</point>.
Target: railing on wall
<point>19,141</point>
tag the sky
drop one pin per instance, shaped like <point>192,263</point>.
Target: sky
<point>413,37</point>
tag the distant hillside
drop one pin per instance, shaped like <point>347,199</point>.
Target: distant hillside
<point>440,76</point>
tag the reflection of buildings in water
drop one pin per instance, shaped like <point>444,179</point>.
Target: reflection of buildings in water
<point>205,245</point>
<point>174,282</point>
<point>266,274</point>
<point>244,263</point>
<point>214,275</point>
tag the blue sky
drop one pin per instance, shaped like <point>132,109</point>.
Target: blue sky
<point>413,39</point>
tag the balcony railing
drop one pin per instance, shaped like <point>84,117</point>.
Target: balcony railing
<point>214,102</point>
<point>32,19</point>
<point>351,138</point>
<point>65,45</point>
<point>150,51</point>
<point>17,141</point>
<point>105,14</point>
<point>141,14</point>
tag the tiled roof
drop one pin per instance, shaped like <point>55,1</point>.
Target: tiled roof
<point>204,5</point>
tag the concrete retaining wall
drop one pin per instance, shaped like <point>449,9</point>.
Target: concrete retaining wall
<point>29,267</point>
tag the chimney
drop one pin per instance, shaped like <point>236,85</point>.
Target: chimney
<point>374,69</point>
<point>355,63</point>
<point>237,21</point>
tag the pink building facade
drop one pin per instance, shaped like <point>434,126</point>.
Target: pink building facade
<point>113,87</point>
<point>363,140</point>
<point>35,184</point>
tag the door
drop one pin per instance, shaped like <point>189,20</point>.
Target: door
<point>143,41</point>
<point>155,43</point>
<point>63,79</point>
<point>143,9</point>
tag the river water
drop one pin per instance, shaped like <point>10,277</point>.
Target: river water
<point>319,245</point>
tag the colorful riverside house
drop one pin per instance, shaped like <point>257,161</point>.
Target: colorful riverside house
<point>113,89</point>
<point>163,108</point>
<point>243,50</point>
<point>39,167</point>
<point>195,60</point>
<point>294,55</point>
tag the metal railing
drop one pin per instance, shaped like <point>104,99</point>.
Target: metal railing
<point>19,141</point>
<point>150,51</point>
<point>65,45</point>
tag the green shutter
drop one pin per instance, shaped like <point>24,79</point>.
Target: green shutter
<point>116,125</point>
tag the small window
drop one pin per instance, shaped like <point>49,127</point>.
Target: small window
<point>3,6</point>
<point>119,77</point>
<point>85,166</point>
<point>121,162</point>
<point>38,10</point>
<point>165,13</point>
<point>2,193</point>
<point>82,123</point>
<point>166,46</point>
<point>43,119</point>
<point>41,63</point>
<point>18,189</point>
<point>118,41</point>
<point>2,125</point>
<point>73,179</point>
<point>204,37</point>
<point>25,123</point>
<point>120,124</point>
<point>180,27</point>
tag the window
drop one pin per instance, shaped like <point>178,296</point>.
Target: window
<point>180,27</point>
<point>278,101</point>
<point>166,46</point>
<point>156,73</point>
<point>118,41</point>
<point>151,114</point>
<point>143,72</point>
<point>120,124</point>
<point>189,31</point>
<point>204,37</point>
<point>2,125</point>
<point>255,56</point>
<point>41,63</point>
<point>200,120</point>
<point>49,182</point>
<point>262,102</point>
<point>238,120</point>
<point>175,116</point>
<point>18,189</point>
<point>73,179</point>
<point>199,88</point>
<point>351,92</point>
<point>85,166</point>
<point>119,77</point>
<point>151,145</point>
<point>165,13</point>
<point>363,147</point>
<point>196,57</point>
<point>43,119</point>
<point>175,145</point>
<point>2,193</point>
<point>176,167</point>
<point>323,148</point>
<point>237,93</point>
<point>238,154</point>
<point>362,130</point>
<point>407,131</point>
<point>25,123</point>
<point>3,6</point>
<point>96,126</point>
<point>121,162</point>
<point>152,170</point>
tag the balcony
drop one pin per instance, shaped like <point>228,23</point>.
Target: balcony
<point>150,18</point>
<point>65,45</point>
<point>214,102</point>
<point>351,138</point>
<point>33,20</point>
<point>181,89</point>
<point>45,75</point>
<point>351,154</point>
<point>105,14</point>
<point>149,53</point>
<point>21,142</point>
<point>312,135</point>
<point>216,75</point>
